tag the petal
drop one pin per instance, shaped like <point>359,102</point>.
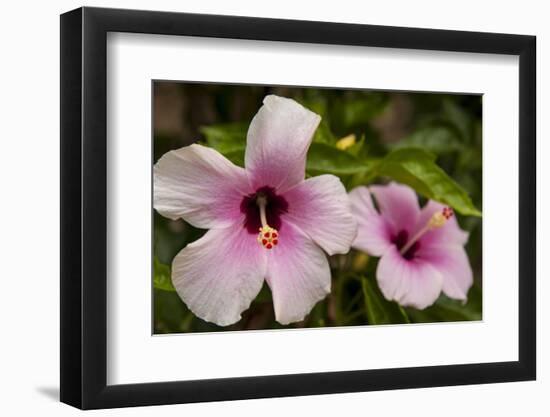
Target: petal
<point>277,143</point>
<point>199,185</point>
<point>449,234</point>
<point>453,264</point>
<point>373,232</point>
<point>321,208</point>
<point>398,204</point>
<point>410,283</point>
<point>220,274</point>
<point>298,274</point>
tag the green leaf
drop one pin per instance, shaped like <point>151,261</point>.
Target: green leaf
<point>264,295</point>
<point>458,117</point>
<point>437,139</point>
<point>236,156</point>
<point>225,138</point>
<point>326,159</point>
<point>446,309</point>
<point>323,134</point>
<point>162,277</point>
<point>378,309</point>
<point>353,112</point>
<point>228,139</point>
<point>319,105</point>
<point>470,159</point>
<point>417,168</point>
<point>358,149</point>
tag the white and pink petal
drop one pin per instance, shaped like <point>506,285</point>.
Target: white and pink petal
<point>411,283</point>
<point>454,266</point>
<point>398,204</point>
<point>219,275</point>
<point>277,143</point>
<point>298,274</point>
<point>374,232</point>
<point>320,207</point>
<point>199,185</point>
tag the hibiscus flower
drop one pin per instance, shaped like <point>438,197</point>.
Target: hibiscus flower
<point>265,221</point>
<point>421,250</point>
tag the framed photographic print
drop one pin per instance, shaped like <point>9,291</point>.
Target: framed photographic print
<point>257,208</point>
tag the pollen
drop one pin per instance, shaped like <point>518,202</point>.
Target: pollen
<point>268,237</point>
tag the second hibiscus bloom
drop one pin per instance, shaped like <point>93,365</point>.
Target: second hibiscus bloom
<point>421,250</point>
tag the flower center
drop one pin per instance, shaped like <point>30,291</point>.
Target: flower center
<point>400,240</point>
<point>263,211</point>
<point>409,248</point>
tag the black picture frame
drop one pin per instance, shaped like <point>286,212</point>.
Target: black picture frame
<point>84,207</point>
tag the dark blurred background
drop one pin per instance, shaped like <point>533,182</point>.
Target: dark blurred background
<point>447,125</point>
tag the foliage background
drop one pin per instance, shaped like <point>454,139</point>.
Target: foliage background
<point>432,142</point>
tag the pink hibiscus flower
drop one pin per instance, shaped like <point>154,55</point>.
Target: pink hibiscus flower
<point>266,221</point>
<point>421,250</point>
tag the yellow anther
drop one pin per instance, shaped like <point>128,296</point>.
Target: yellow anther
<point>437,220</point>
<point>440,218</point>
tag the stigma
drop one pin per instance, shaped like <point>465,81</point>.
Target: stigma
<point>439,218</point>
<point>268,236</point>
